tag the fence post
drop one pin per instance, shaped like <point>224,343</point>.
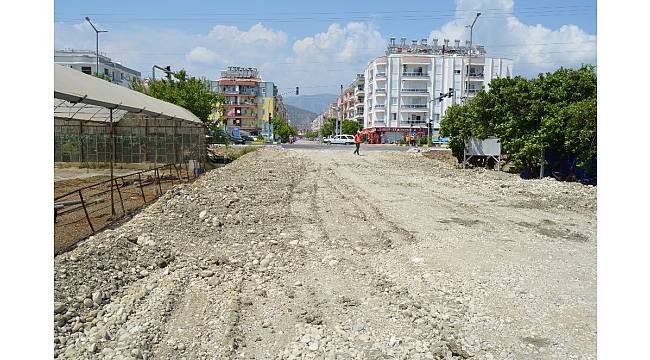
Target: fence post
<point>86,211</point>
<point>178,174</point>
<point>158,177</point>
<point>119,192</point>
<point>141,189</point>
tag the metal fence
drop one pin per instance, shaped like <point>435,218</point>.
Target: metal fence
<point>88,209</point>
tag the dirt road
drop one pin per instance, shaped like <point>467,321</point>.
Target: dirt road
<point>323,254</point>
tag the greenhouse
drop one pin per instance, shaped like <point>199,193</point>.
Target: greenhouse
<point>89,112</point>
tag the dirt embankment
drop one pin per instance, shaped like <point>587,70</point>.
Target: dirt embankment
<point>323,254</point>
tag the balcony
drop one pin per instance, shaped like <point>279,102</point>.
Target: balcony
<point>414,123</point>
<point>476,76</point>
<point>379,107</point>
<point>381,75</point>
<point>416,75</point>
<point>381,90</point>
<point>230,105</point>
<point>415,92</point>
<point>414,106</point>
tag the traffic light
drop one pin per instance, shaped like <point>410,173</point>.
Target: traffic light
<point>451,92</point>
<point>168,70</point>
<point>297,90</point>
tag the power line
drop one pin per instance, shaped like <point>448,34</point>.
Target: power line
<point>393,15</point>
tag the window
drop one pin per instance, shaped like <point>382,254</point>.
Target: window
<point>86,70</point>
<point>393,100</point>
<point>457,71</point>
<point>393,116</point>
<point>121,76</point>
<point>105,71</point>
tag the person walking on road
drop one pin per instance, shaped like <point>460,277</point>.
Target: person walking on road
<point>357,142</point>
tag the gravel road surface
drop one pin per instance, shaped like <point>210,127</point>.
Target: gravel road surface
<point>318,253</point>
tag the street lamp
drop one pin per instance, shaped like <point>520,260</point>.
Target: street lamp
<point>96,42</point>
<point>469,65</point>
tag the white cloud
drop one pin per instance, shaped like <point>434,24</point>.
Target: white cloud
<point>334,57</point>
<point>355,40</point>
<point>202,55</point>
<point>534,48</point>
<point>321,61</point>
<point>256,34</point>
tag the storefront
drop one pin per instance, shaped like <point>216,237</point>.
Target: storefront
<point>391,135</point>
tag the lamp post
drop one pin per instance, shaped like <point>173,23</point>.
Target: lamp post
<point>96,43</point>
<point>469,65</point>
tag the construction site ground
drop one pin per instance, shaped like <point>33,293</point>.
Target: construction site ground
<point>319,253</point>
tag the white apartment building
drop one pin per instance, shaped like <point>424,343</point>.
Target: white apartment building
<point>359,98</point>
<point>399,86</point>
<point>86,62</point>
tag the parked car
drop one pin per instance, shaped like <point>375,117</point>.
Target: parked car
<point>248,138</point>
<point>342,139</point>
<point>219,137</point>
<point>237,140</point>
<point>327,140</point>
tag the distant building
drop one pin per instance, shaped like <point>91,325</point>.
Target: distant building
<point>399,86</point>
<point>240,87</point>
<point>359,98</point>
<point>250,103</point>
<point>86,62</point>
<point>318,122</point>
<point>280,108</point>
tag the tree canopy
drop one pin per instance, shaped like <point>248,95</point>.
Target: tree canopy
<point>554,112</point>
<point>328,127</point>
<point>188,92</point>
<point>282,129</point>
<point>350,127</point>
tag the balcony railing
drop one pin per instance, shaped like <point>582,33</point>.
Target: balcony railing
<point>414,106</point>
<point>379,106</point>
<point>381,90</point>
<point>381,74</point>
<point>414,122</point>
<point>425,91</point>
<point>415,74</point>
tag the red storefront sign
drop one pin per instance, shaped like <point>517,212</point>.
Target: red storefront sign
<point>398,129</point>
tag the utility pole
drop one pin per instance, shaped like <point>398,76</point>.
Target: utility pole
<point>469,65</point>
<point>339,119</point>
<point>112,159</point>
<point>96,43</point>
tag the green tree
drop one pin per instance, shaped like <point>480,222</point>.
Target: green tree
<point>310,134</point>
<point>188,92</point>
<point>350,127</point>
<point>282,129</point>
<point>328,127</point>
<point>555,112</point>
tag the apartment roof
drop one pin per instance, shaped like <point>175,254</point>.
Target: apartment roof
<point>85,97</point>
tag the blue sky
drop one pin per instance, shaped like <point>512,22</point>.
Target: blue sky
<point>319,45</point>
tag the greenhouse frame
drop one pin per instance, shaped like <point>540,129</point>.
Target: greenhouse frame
<point>89,112</point>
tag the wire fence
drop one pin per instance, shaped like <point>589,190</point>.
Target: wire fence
<point>89,209</point>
